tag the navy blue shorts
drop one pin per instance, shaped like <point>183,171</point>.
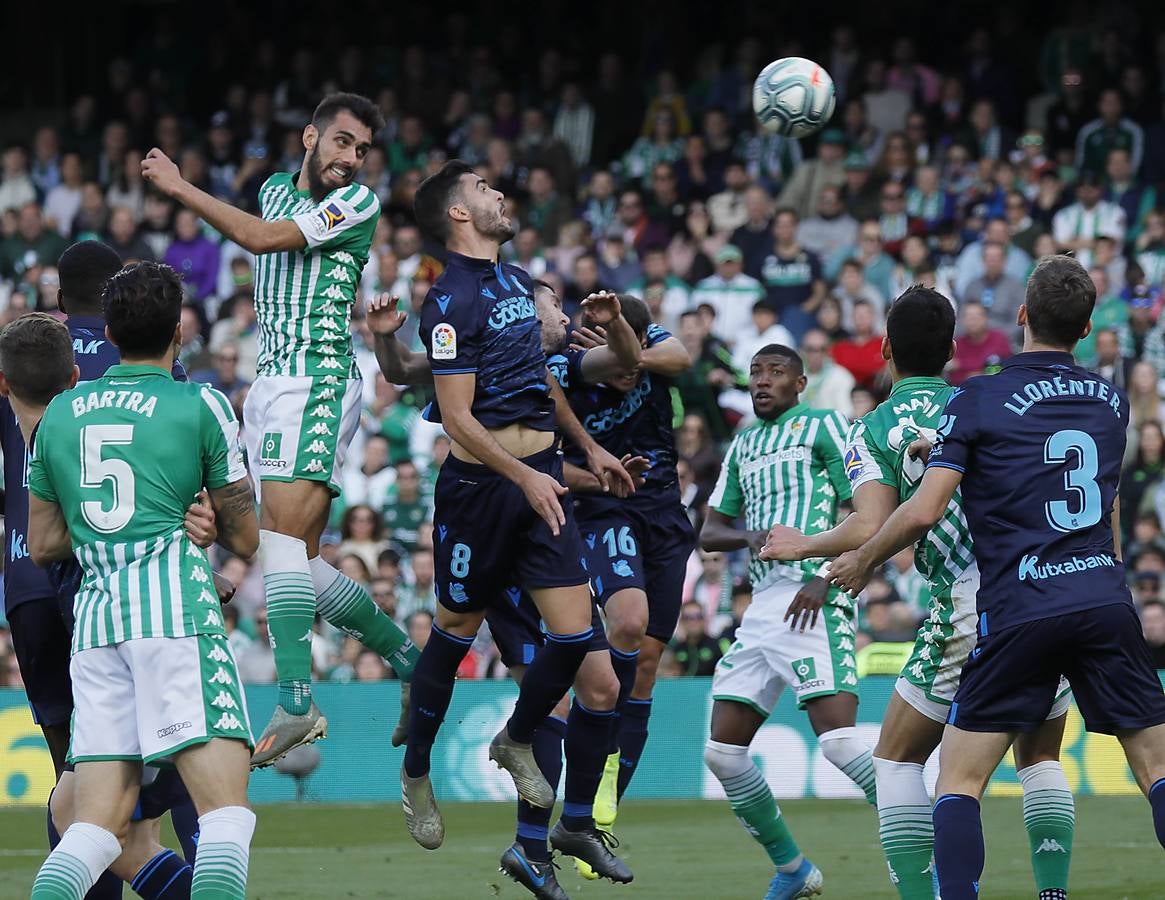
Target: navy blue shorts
<point>644,547</point>
<point>42,643</point>
<point>516,628</point>
<point>160,795</point>
<point>1010,679</point>
<point>488,537</point>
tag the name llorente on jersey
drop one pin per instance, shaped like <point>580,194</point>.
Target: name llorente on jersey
<point>133,401</point>
<point>1050,388</point>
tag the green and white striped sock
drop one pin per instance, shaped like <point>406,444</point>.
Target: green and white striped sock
<point>348,606</point>
<point>224,841</point>
<point>751,800</point>
<point>85,851</point>
<point>905,827</point>
<point>291,611</point>
<point>1049,814</point>
<point>851,754</point>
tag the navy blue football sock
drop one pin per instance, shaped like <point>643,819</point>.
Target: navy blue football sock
<point>632,738</point>
<point>184,818</point>
<point>624,663</point>
<point>165,877</point>
<point>1157,801</point>
<point>958,846</point>
<point>432,690</point>
<point>107,887</point>
<point>547,679</point>
<point>534,821</point>
<point>587,736</point>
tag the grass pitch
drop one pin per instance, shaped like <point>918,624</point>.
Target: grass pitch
<point>678,849</point>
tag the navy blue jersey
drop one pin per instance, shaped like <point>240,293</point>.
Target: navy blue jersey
<point>638,422</point>
<point>479,317</point>
<point>1040,445</point>
<point>23,581</point>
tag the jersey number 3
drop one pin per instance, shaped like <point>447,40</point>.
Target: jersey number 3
<point>96,470</point>
<point>1080,481</point>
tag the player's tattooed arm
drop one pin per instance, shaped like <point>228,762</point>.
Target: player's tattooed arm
<point>399,364</point>
<point>238,526</point>
<point>720,533</point>
<point>246,230</point>
<point>852,570</point>
<point>48,533</point>
<point>874,502</point>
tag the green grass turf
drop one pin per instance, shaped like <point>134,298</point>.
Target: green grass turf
<point>678,849</point>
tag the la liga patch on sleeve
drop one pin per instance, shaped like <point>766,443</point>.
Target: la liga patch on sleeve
<point>444,342</point>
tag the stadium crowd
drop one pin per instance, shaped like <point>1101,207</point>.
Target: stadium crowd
<point>656,184</point>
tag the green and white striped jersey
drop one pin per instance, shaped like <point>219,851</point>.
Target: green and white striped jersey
<point>876,450</point>
<point>123,456</point>
<point>303,299</point>
<point>787,471</point>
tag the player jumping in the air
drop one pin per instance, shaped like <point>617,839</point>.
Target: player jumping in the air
<point>312,242</point>
<point>494,397</point>
<point>918,343</point>
<point>785,469</point>
<point>1036,451</point>
<point>114,464</point>
<point>637,547</point>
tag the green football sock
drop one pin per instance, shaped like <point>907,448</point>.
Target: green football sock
<point>845,749</point>
<point>220,867</point>
<point>751,800</point>
<point>291,609</point>
<point>348,606</point>
<point>85,851</point>
<point>1049,815</point>
<point>905,828</point>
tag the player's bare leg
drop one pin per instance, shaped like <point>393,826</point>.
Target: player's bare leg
<point>216,775</point>
<point>451,637</point>
<point>734,725</point>
<point>1145,751</point>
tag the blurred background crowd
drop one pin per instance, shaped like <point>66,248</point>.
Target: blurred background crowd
<point>956,158</point>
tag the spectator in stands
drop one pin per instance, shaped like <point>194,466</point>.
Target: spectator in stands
<point>362,533</point>
<point>1108,362</point>
<point>691,252</point>
<point>1134,197</point>
<point>792,276</point>
<point>1153,624</point>
<point>546,211</point>
<point>731,293</point>
<point>1024,230</point>
<point>63,202</point>
<point>369,666</point>
<point>1111,312</point>
<point>406,508</point>
<point>998,292</point>
<point>711,374</point>
<point>979,348</point>
<point>600,205</point>
<point>877,266</point>
<point>861,353</point>
<point>16,187</point>
<point>1076,227</point>
<point>1143,473</point>
<point>419,592</point>
<point>853,287</point>
<point>224,376</point>
<point>420,626</point>
<point>525,249</point>
<point>638,230</point>
<point>754,237</point>
<point>193,256</point>
<point>969,264</point>
<point>574,124</point>
<point>655,273</point>
<point>660,143</point>
<point>893,221</point>
<point>827,384</point>
<point>1144,394</point>
<point>256,659</point>
<point>1109,132</point>
<point>124,238</point>
<point>762,330</point>
<point>696,652</point>
<point>727,208</point>
<point>831,228</point>
<point>803,192</point>
<point>695,447</point>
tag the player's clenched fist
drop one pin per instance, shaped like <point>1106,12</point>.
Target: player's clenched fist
<point>161,171</point>
<point>542,492</point>
<point>783,544</point>
<point>382,315</point>
<point>850,572</point>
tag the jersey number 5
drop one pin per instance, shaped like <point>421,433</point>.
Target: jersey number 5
<point>1080,481</point>
<point>96,470</point>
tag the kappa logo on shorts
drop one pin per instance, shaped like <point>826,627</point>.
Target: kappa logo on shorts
<point>222,676</point>
<point>218,654</point>
<point>224,701</point>
<point>228,722</point>
<point>213,619</point>
<point>172,729</point>
<point>321,428</point>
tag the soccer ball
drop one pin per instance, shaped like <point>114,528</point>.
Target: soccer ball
<point>793,96</point>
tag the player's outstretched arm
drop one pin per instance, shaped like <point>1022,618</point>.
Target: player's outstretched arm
<point>669,357</point>
<point>622,350</point>
<point>399,364</point>
<point>48,534</point>
<point>602,464</point>
<point>249,232</point>
<point>873,505</point>
<point>455,399</point>
<point>851,571</point>
<point>720,533</point>
<point>234,509</point>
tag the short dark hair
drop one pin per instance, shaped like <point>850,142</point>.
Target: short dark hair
<point>143,304</point>
<point>786,353</point>
<point>434,197</point>
<point>636,313</point>
<point>920,327</point>
<point>36,356</point>
<point>1060,298</point>
<point>84,269</point>
<point>367,112</point>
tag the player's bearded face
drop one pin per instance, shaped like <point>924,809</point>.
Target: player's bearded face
<point>552,320</point>
<point>325,175</point>
<point>490,220</point>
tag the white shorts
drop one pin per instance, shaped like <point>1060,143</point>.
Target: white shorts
<point>148,698</point>
<point>767,654</point>
<point>938,711</point>
<point>299,428</point>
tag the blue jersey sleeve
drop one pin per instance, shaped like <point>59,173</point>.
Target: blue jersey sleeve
<point>559,367</point>
<point>656,334</point>
<point>451,329</point>
<point>957,430</point>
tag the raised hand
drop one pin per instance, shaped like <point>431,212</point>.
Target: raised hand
<point>161,171</point>
<point>602,308</point>
<point>382,315</point>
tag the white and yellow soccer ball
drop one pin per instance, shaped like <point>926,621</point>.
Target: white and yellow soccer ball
<point>793,97</point>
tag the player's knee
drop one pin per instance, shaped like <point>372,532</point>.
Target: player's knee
<point>597,687</point>
<point>627,617</point>
<point>725,760</point>
<point>842,745</point>
<point>61,808</point>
